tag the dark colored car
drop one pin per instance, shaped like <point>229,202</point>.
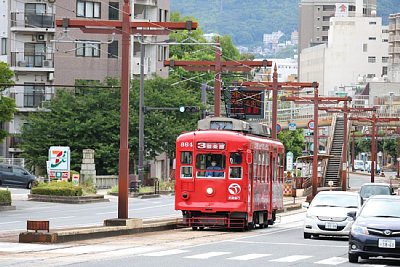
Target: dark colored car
<point>371,189</point>
<point>376,229</point>
<point>12,175</point>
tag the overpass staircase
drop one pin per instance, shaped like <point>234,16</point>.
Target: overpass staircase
<point>332,168</point>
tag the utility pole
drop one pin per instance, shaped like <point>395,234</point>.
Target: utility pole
<point>218,66</point>
<point>126,28</point>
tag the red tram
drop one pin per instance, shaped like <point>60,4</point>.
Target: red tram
<point>228,176</point>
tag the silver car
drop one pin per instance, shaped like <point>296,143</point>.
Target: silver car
<point>327,213</point>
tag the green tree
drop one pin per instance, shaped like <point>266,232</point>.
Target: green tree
<point>90,118</point>
<point>7,105</point>
<point>292,141</point>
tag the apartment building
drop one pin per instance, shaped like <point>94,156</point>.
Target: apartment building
<point>394,48</point>
<point>314,17</point>
<point>44,57</point>
<point>341,62</point>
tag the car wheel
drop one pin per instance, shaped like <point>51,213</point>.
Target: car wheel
<point>353,258</point>
<point>307,235</point>
<point>29,185</point>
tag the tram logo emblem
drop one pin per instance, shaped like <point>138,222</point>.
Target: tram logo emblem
<point>234,189</point>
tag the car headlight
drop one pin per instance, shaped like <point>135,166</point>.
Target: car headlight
<point>359,230</point>
<point>311,216</point>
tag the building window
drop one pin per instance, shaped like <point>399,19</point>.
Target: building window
<point>352,8</point>
<point>4,46</point>
<point>385,59</point>
<point>372,22</point>
<point>33,94</point>
<point>371,59</point>
<point>34,54</point>
<point>325,28</point>
<point>384,70</point>
<point>326,18</point>
<point>371,38</point>
<point>328,8</point>
<point>87,9</point>
<point>165,15</point>
<point>89,49</point>
<point>385,40</point>
<point>113,11</point>
<point>160,14</point>
<point>113,50</point>
<point>365,47</point>
<point>324,38</point>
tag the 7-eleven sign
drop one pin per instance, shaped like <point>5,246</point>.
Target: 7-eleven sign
<point>59,159</point>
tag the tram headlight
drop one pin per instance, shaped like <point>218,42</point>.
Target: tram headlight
<point>210,191</point>
<point>185,195</point>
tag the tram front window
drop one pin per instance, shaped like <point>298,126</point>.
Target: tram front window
<point>210,165</point>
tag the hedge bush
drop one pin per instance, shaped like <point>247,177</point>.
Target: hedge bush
<point>5,197</point>
<point>57,189</point>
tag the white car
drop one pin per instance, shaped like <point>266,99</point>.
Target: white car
<point>327,213</point>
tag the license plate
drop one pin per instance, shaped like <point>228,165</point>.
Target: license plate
<point>387,243</point>
<point>330,225</point>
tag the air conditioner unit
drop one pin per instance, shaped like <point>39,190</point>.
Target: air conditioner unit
<point>40,37</point>
<point>48,63</point>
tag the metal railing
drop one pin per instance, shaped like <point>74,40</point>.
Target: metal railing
<point>29,60</point>
<point>27,20</point>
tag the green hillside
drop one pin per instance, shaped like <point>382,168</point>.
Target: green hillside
<point>247,21</point>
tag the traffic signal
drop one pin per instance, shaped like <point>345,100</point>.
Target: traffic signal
<point>189,109</point>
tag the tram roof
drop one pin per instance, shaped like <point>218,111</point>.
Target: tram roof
<point>230,124</point>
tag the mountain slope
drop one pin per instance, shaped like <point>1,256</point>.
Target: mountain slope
<point>247,21</point>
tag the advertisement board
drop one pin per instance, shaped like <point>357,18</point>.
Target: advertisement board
<point>59,162</point>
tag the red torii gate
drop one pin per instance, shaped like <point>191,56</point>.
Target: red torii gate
<point>374,120</point>
<point>276,86</point>
<point>346,110</point>
<point>217,66</point>
<point>125,28</point>
<point>316,99</point>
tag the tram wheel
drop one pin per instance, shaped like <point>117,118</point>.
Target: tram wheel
<point>194,228</point>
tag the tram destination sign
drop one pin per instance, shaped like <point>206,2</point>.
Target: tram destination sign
<point>246,102</point>
<point>213,146</point>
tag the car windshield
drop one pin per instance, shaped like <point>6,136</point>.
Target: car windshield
<point>381,208</point>
<point>371,190</point>
<point>335,200</point>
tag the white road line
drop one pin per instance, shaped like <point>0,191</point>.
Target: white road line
<point>291,244</point>
<point>292,258</point>
<point>165,253</point>
<point>66,217</point>
<point>130,251</point>
<point>332,261</point>
<point>11,222</point>
<point>207,255</point>
<point>249,257</point>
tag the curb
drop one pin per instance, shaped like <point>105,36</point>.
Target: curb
<point>5,208</point>
<point>68,199</point>
<point>68,235</point>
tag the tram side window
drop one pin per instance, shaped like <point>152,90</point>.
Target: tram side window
<point>235,158</point>
<point>186,172</point>
<point>210,165</point>
<point>186,157</point>
<point>235,172</point>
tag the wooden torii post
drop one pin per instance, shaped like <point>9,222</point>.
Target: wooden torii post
<point>346,110</point>
<point>126,28</point>
<point>316,100</point>
<point>373,121</point>
<point>217,66</point>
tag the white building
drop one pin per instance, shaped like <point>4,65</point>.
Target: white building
<point>287,70</point>
<point>357,48</point>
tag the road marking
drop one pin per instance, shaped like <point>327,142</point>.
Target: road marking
<point>66,217</point>
<point>207,255</point>
<point>11,222</point>
<point>165,253</point>
<point>332,261</point>
<point>291,244</point>
<point>292,258</point>
<point>249,257</point>
<point>130,251</point>
<point>21,247</point>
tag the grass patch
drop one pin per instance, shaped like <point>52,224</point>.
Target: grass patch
<point>5,197</point>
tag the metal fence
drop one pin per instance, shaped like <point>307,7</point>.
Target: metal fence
<point>13,161</point>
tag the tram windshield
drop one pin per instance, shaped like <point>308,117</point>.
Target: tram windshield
<point>210,165</point>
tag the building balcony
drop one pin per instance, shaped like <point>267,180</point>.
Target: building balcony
<point>32,62</point>
<point>146,2</point>
<point>32,22</point>
<point>394,50</point>
<point>31,97</point>
<point>394,38</point>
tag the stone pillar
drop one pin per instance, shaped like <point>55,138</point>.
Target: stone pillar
<point>88,168</point>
